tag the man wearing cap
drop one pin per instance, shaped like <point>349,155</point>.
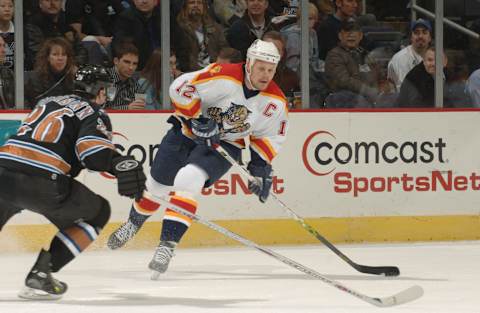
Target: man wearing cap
<point>348,70</point>
<point>407,58</point>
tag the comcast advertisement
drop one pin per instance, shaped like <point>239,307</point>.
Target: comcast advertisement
<point>392,163</point>
<point>333,164</point>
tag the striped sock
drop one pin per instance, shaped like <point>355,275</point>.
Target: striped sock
<point>174,224</point>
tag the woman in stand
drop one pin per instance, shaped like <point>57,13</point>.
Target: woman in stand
<point>53,72</point>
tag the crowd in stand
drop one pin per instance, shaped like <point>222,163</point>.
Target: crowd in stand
<point>351,64</point>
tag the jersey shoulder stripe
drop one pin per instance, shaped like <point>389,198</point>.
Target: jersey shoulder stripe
<point>232,72</point>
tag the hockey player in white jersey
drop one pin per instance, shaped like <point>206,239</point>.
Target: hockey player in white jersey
<point>218,105</point>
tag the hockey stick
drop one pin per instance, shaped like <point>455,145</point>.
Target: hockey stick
<point>377,270</point>
<point>407,295</point>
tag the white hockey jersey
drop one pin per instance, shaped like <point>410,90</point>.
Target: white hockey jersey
<point>217,92</point>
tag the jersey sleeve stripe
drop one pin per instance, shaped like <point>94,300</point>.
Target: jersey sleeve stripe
<point>191,110</point>
<point>86,147</point>
<point>263,148</point>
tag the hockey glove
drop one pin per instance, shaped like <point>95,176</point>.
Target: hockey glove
<point>130,176</point>
<point>206,132</point>
<point>263,182</point>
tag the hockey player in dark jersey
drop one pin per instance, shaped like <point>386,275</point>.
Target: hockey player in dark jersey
<point>59,138</point>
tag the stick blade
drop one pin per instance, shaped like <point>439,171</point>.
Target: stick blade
<point>407,295</point>
<point>378,270</point>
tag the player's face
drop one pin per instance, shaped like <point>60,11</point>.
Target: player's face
<point>262,74</point>
<point>126,65</point>
<point>101,97</point>
<point>57,58</point>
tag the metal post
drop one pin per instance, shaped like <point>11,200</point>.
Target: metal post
<point>304,58</point>
<point>439,53</point>
<point>413,3</point>
<point>18,41</point>
<point>364,7</point>
<point>165,12</point>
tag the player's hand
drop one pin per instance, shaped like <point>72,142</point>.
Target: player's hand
<point>206,131</point>
<point>263,181</point>
<point>130,176</point>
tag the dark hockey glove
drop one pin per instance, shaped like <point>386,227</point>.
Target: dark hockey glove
<point>263,182</point>
<point>130,176</point>
<point>206,131</point>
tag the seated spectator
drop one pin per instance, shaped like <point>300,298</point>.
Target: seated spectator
<point>286,79</point>
<point>328,30</point>
<point>228,11</point>
<point>125,64</point>
<point>53,73</point>
<point>473,88</point>
<point>348,70</point>
<point>49,22</point>
<point>140,24</point>
<point>198,38</point>
<point>7,80</point>
<point>292,34</point>
<point>254,23</point>
<point>7,30</point>
<point>93,21</point>
<point>407,58</point>
<point>150,81</point>
<point>418,87</point>
<point>229,55</point>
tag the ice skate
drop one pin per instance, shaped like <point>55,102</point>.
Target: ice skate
<point>161,258</point>
<point>40,284</point>
<point>123,234</point>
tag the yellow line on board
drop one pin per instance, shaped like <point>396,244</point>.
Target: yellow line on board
<point>15,238</point>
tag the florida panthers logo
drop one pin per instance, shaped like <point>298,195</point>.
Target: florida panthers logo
<point>231,121</point>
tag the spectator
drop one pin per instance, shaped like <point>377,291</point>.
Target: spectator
<point>473,88</point>
<point>407,58</point>
<point>150,82</point>
<point>229,11</point>
<point>228,55</point>
<point>93,23</point>
<point>292,34</point>
<point>140,24</point>
<point>198,38</point>
<point>7,31</point>
<point>254,23</point>
<point>418,87</point>
<point>285,78</point>
<point>7,80</point>
<point>328,30</point>
<point>53,73</point>
<point>49,22</point>
<point>348,70</point>
<point>125,64</point>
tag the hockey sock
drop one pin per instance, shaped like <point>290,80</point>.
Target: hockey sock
<point>70,242</point>
<point>142,210</point>
<point>174,224</point>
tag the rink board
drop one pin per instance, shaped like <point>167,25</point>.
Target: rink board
<point>355,176</point>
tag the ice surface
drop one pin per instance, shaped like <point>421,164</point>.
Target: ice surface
<point>241,280</point>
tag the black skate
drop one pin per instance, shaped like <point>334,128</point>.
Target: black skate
<point>40,284</point>
<point>161,258</point>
